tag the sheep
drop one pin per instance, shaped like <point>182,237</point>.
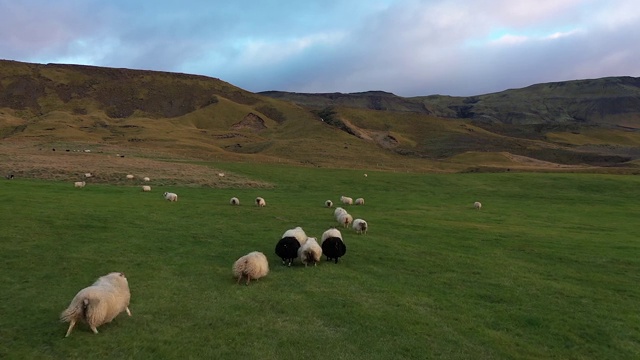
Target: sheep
<point>345,219</point>
<point>365,175</point>
<point>333,246</point>
<point>260,202</point>
<point>339,211</point>
<point>88,175</point>
<point>296,233</point>
<point>359,201</point>
<point>360,226</point>
<point>99,303</point>
<point>146,179</point>
<point>170,196</point>
<point>234,201</point>
<point>79,184</point>
<point>346,200</point>
<point>129,177</point>
<point>310,252</point>
<point>221,174</point>
<point>477,205</point>
<point>146,188</point>
<point>9,177</point>
<point>254,265</point>
<point>287,249</point>
<point>328,203</point>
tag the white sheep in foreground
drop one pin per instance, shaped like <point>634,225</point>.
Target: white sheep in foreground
<point>79,184</point>
<point>170,196</point>
<point>254,265</point>
<point>260,202</point>
<point>234,201</point>
<point>297,233</point>
<point>360,226</point>
<point>333,246</point>
<point>146,188</point>
<point>99,303</point>
<point>359,201</point>
<point>477,205</point>
<point>146,178</point>
<point>129,177</point>
<point>346,200</point>
<point>328,203</point>
<point>345,219</point>
<point>310,252</point>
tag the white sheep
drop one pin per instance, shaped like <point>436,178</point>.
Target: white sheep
<point>88,175</point>
<point>146,188</point>
<point>234,201</point>
<point>297,233</point>
<point>365,175</point>
<point>146,178</point>
<point>130,177</point>
<point>170,196</point>
<point>254,265</point>
<point>79,184</point>
<point>260,202</point>
<point>477,205</point>
<point>310,252</point>
<point>360,226</point>
<point>359,201</point>
<point>345,219</point>
<point>328,203</point>
<point>333,246</point>
<point>346,200</point>
<point>99,303</point>
<point>338,211</point>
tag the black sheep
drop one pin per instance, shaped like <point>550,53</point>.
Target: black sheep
<point>287,249</point>
<point>333,248</point>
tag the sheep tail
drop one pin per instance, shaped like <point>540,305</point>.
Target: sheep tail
<point>75,311</point>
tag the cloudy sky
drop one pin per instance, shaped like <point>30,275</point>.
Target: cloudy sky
<point>407,47</point>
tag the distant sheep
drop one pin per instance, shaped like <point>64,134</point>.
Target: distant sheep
<point>88,175</point>
<point>287,249</point>
<point>130,177</point>
<point>79,184</point>
<point>146,188</point>
<point>345,219</point>
<point>254,265</point>
<point>328,203</point>
<point>338,211</point>
<point>477,205</point>
<point>234,201</point>
<point>359,201</point>
<point>146,178</point>
<point>170,196</point>
<point>365,175</point>
<point>310,252</point>
<point>346,200</point>
<point>9,177</point>
<point>360,226</point>
<point>333,246</point>
<point>296,233</point>
<point>99,303</point>
<point>260,202</point>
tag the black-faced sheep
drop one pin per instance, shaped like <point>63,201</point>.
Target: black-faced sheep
<point>170,196</point>
<point>260,202</point>
<point>99,303</point>
<point>360,226</point>
<point>234,201</point>
<point>333,246</point>
<point>287,249</point>
<point>254,265</point>
<point>328,203</point>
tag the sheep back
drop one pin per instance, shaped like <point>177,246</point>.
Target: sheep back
<point>477,205</point>
<point>346,200</point>
<point>359,201</point>
<point>254,265</point>
<point>260,202</point>
<point>297,233</point>
<point>310,252</point>
<point>287,249</point>
<point>333,248</point>
<point>360,226</point>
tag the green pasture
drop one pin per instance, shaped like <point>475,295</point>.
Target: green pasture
<point>549,268</point>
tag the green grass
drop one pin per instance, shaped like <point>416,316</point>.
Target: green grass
<point>549,268</point>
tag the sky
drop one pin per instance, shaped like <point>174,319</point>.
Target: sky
<point>406,47</point>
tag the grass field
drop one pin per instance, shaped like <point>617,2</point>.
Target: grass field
<point>549,268</point>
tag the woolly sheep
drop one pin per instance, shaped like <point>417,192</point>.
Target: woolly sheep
<point>146,178</point>
<point>296,233</point>
<point>170,196</point>
<point>79,184</point>
<point>260,202</point>
<point>234,201</point>
<point>310,252</point>
<point>360,226</point>
<point>99,303</point>
<point>254,265</point>
<point>287,249</point>
<point>328,203</point>
<point>477,205</point>
<point>346,200</point>
<point>146,188</point>
<point>338,211</point>
<point>129,177</point>
<point>359,201</point>
<point>365,175</point>
<point>345,219</point>
<point>88,175</point>
<point>333,246</point>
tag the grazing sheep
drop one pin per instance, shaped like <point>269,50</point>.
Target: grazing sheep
<point>310,252</point>
<point>234,201</point>
<point>338,211</point>
<point>254,265</point>
<point>346,200</point>
<point>345,219</point>
<point>328,203</point>
<point>287,249</point>
<point>332,245</point>
<point>359,201</point>
<point>365,175</point>
<point>130,177</point>
<point>146,178</point>
<point>360,226</point>
<point>221,174</point>
<point>79,184</point>
<point>88,175</point>
<point>99,303</point>
<point>146,188</point>
<point>9,176</point>
<point>260,202</point>
<point>297,233</point>
<point>477,205</point>
<point>170,196</point>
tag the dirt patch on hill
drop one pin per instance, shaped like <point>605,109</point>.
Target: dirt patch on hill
<point>251,122</point>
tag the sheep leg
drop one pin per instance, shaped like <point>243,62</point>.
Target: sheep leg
<point>128,311</point>
<point>248,279</point>
<point>94,329</point>
<point>239,278</point>
<point>71,325</point>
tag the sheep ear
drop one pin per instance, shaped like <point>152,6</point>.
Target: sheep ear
<point>122,274</point>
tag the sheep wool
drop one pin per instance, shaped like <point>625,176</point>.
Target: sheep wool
<point>360,226</point>
<point>146,178</point>
<point>287,249</point>
<point>346,200</point>
<point>146,188</point>
<point>129,177</point>
<point>296,233</point>
<point>310,252</point>
<point>254,265</point>
<point>260,202</point>
<point>79,184</point>
<point>333,246</point>
<point>99,303</point>
<point>359,201</point>
<point>477,205</point>
<point>170,196</point>
<point>328,203</point>
<point>345,219</point>
<point>234,201</point>
<point>339,211</point>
